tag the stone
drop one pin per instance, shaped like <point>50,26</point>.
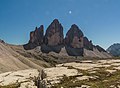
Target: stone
<point>74,37</point>
<point>74,41</point>
<point>99,48</point>
<point>114,49</point>
<point>2,41</point>
<point>88,44</point>
<point>20,76</point>
<point>54,34</point>
<point>36,36</point>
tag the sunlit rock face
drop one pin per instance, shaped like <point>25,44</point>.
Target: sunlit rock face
<point>36,36</point>
<point>54,34</point>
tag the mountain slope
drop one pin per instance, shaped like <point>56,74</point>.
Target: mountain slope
<point>114,49</point>
<point>10,60</point>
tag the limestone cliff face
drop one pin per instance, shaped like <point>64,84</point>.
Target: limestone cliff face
<point>74,37</point>
<point>36,36</point>
<point>54,34</point>
<point>88,44</point>
<point>74,42</point>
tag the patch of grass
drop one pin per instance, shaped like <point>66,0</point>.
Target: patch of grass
<point>70,67</point>
<point>11,86</point>
<point>104,79</point>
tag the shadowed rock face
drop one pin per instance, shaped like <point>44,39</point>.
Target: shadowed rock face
<point>114,49</point>
<point>2,41</point>
<point>74,37</point>
<point>53,41</point>
<point>99,48</point>
<point>88,44</point>
<point>54,34</point>
<point>74,41</point>
<point>36,36</point>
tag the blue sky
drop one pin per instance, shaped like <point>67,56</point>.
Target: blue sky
<point>98,19</point>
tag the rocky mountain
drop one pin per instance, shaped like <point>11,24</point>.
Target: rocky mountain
<point>14,57</point>
<point>74,37</point>
<point>74,43</point>
<point>114,49</point>
<point>22,66</point>
<point>36,36</point>
<point>54,34</point>
<point>88,44</point>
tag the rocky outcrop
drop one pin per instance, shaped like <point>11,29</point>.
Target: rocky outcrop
<point>2,41</point>
<point>74,42</point>
<point>53,39</point>
<point>81,73</point>
<point>88,44</point>
<point>36,36</point>
<point>54,34</point>
<point>74,37</point>
<point>19,79</point>
<point>99,48</point>
<point>114,49</point>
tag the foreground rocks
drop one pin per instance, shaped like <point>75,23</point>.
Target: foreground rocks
<point>82,74</point>
<point>22,78</point>
<point>85,74</point>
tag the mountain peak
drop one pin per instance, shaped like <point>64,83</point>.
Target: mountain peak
<point>114,49</point>
<point>55,21</point>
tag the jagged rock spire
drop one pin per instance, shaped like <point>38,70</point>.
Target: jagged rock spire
<point>54,34</point>
<point>74,37</point>
<point>36,36</point>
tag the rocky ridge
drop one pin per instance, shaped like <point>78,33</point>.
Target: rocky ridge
<point>114,49</point>
<point>73,44</point>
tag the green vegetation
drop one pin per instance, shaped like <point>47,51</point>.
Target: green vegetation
<point>11,86</point>
<point>103,79</point>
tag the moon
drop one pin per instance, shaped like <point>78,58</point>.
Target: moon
<point>70,12</point>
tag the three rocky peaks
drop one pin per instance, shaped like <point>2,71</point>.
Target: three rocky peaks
<point>53,40</point>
